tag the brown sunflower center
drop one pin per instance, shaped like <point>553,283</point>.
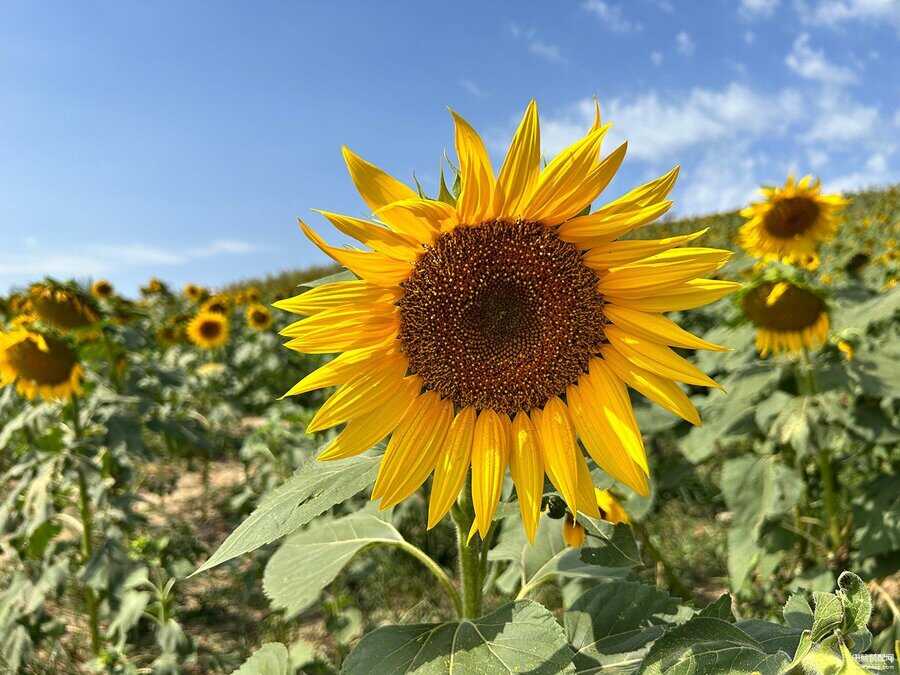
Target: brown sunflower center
<point>791,217</point>
<point>44,368</point>
<point>210,329</point>
<point>501,316</point>
<point>793,310</point>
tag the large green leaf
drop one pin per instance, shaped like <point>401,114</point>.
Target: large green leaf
<point>315,487</point>
<point>876,517</point>
<point>309,560</point>
<point>270,659</point>
<point>712,647</point>
<point>521,637</point>
<point>611,625</point>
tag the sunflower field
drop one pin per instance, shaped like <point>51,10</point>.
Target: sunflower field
<point>523,427</point>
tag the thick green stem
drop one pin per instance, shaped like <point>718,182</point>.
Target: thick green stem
<point>470,567</point>
<point>438,573</point>
<point>87,535</point>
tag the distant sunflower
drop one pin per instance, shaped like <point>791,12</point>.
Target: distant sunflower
<point>154,287</point>
<point>39,365</point>
<point>251,294</point>
<point>62,307</point>
<point>789,318</point>
<point>208,330</point>
<point>492,330</point>
<point>792,221</point>
<point>258,317</point>
<point>218,304</point>
<point>102,289</point>
<point>194,292</point>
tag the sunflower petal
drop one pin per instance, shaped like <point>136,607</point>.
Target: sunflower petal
<point>490,454</point>
<point>363,432</point>
<point>476,175</point>
<point>657,358</point>
<point>656,328</point>
<point>452,466</point>
<point>526,464</point>
<point>421,219</point>
<point>376,268</point>
<point>667,268</point>
<point>334,295</point>
<point>413,449</point>
<point>392,244</point>
<point>521,168</point>
<point>569,204</point>
<point>339,370</point>
<point>618,253</point>
<point>679,297</point>
<point>587,497</point>
<point>558,442</point>
<point>375,186</point>
<point>602,227</point>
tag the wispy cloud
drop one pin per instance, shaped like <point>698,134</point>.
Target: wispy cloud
<point>837,12</point>
<point>811,64</point>
<point>539,47</point>
<point>471,87</point>
<point>684,43</point>
<point>611,16</point>
<point>656,58</point>
<point>757,8</point>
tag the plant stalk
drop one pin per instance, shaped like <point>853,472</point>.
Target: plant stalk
<point>470,567</point>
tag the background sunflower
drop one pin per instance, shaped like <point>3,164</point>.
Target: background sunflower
<point>40,365</point>
<point>208,330</point>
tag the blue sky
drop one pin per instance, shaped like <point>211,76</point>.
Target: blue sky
<point>183,139</point>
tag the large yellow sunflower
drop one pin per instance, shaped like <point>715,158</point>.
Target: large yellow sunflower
<point>789,318</point>
<point>39,365</point>
<point>791,222</point>
<point>208,330</point>
<point>494,331</point>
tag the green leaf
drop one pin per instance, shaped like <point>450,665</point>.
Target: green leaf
<point>444,194</point>
<point>876,517</point>
<point>797,612</point>
<point>311,559</point>
<point>521,637</point>
<point>710,646</point>
<point>610,545</point>
<point>854,595</point>
<point>270,659</point>
<point>772,637</point>
<point>315,487</point>
<point>720,609</point>
<point>611,625</point>
<point>828,615</point>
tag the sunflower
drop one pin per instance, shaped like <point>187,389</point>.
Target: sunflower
<point>792,220</point>
<point>217,304</point>
<point>194,292</point>
<point>258,317</point>
<point>62,307</point>
<point>102,289</point>
<point>494,329</point>
<point>39,365</point>
<point>154,287</point>
<point>789,318</point>
<point>208,330</point>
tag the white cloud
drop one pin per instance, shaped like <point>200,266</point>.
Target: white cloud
<point>817,158</point>
<point>753,8</point>
<point>610,16</point>
<point>721,180</point>
<point>876,172</point>
<point>749,37</point>
<point>897,119</point>
<point>812,64</point>
<point>840,119</point>
<point>835,12</point>
<point>545,50</point>
<point>684,43</point>
<point>471,87</point>
<point>656,57</point>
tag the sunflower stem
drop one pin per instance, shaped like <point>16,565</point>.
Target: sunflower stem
<point>87,536</point>
<point>470,569</point>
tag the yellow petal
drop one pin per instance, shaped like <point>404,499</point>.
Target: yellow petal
<point>602,226</point>
<point>476,175</point>
<point>597,121</point>
<point>587,498</point>
<point>558,443</point>
<point>679,297</point>
<point>337,294</point>
<point>644,195</point>
<point>656,358</point>
<point>361,394</point>
<point>618,253</point>
<point>563,175</point>
<point>421,219</point>
<point>375,186</point>
<point>393,244</point>
<point>599,425</point>
<point>656,328</point>
<point>526,464</point>
<point>490,454</point>
<point>376,268</point>
<point>340,369</point>
<point>413,449</point>
<point>677,266</point>
<point>363,432</point>
<point>571,202</point>
<point>452,465</point>
<point>342,329</point>
<point>658,389</point>
<point>521,168</point>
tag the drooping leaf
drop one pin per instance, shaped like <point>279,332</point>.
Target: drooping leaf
<point>270,659</point>
<point>311,559</point>
<point>315,487</point>
<point>521,637</point>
